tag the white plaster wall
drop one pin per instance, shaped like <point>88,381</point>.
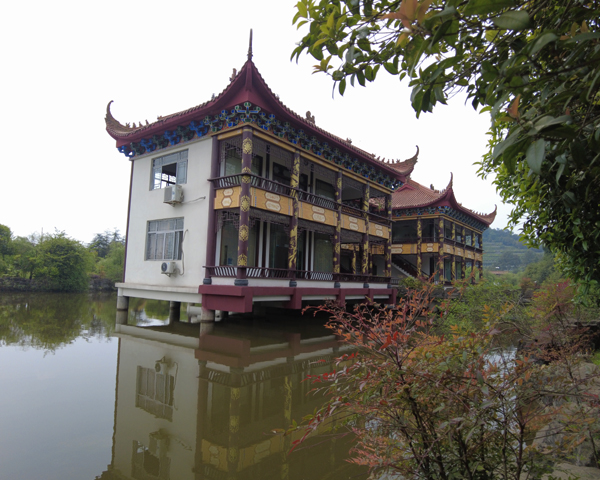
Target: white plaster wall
<point>133,423</point>
<point>148,205</point>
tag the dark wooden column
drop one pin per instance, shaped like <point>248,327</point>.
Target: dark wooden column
<point>419,243</point>
<point>211,233</point>
<point>463,265</point>
<point>293,245</point>
<point>365,208</point>
<point>244,229</point>
<point>440,265</point>
<point>337,239</point>
<point>453,257</point>
<point>481,262</point>
<point>234,440</point>
<point>388,243</point>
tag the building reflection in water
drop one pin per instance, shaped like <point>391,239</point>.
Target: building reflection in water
<point>201,407</point>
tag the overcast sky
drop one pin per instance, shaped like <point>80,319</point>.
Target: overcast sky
<point>64,61</point>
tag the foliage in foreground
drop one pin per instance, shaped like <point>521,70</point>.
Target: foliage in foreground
<point>534,65</point>
<point>431,406</point>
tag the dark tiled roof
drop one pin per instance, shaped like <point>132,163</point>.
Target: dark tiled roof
<point>414,195</point>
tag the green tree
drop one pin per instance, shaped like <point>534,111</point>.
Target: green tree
<point>534,65</point>
<point>24,256</point>
<point>112,266</point>
<point>543,270</point>
<point>102,241</point>
<point>65,262</point>
<point>509,261</point>
<point>5,240</point>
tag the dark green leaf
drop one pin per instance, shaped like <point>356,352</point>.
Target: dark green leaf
<point>516,20</point>
<point>481,7</point>
<point>360,76</point>
<point>541,41</point>
<point>535,155</point>
<point>391,68</point>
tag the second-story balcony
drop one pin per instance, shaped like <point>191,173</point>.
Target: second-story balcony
<point>277,197</point>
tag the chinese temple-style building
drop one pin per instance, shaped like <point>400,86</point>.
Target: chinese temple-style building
<point>434,235</point>
<point>239,202</point>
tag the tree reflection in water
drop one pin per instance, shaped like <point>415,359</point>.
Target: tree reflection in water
<point>48,321</point>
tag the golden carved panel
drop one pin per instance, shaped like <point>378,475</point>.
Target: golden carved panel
<point>271,202</point>
<point>317,214</point>
<point>353,223</point>
<point>227,198</point>
<point>429,247</point>
<point>404,248</point>
<point>377,230</point>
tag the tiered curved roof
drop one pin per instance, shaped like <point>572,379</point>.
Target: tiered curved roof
<point>412,195</point>
<point>247,87</point>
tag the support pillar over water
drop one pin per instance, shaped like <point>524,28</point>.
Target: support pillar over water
<point>174,311</point>
<point>199,313</point>
<point>122,303</point>
<point>122,310</point>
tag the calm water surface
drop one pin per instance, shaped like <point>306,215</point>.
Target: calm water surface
<point>81,398</point>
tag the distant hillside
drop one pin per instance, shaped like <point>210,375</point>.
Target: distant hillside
<point>503,251</point>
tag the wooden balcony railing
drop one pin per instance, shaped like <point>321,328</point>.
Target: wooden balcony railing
<point>317,200</point>
<point>230,271</point>
<point>280,188</point>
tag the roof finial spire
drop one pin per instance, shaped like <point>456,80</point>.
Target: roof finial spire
<point>250,46</point>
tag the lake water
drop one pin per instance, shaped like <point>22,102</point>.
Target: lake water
<point>83,399</point>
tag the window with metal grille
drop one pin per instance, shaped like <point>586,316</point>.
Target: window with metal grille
<point>169,170</point>
<point>164,239</point>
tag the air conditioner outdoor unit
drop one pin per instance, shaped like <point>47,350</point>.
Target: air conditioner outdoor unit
<point>173,195</point>
<point>168,268</point>
<point>161,367</point>
<point>159,443</point>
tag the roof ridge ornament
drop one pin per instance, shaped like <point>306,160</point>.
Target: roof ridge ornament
<point>250,47</point>
<point>113,124</point>
<point>451,182</point>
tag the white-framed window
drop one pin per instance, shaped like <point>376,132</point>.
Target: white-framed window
<point>164,239</point>
<point>169,170</point>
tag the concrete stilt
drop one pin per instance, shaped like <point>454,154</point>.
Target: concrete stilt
<point>174,311</point>
<point>122,303</point>
<point>198,313</point>
<point>122,317</point>
<point>206,327</point>
<point>207,315</point>
<point>122,310</point>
